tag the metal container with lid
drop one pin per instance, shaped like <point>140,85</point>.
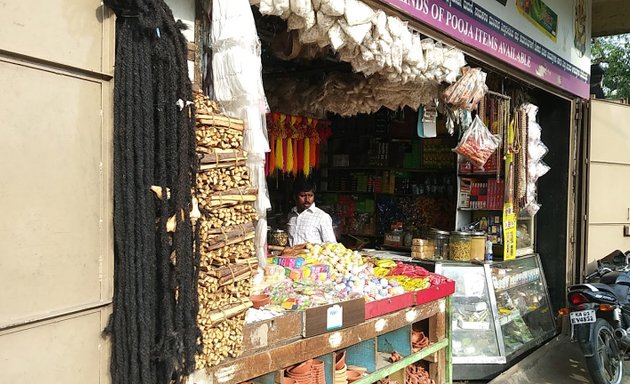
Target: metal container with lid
<point>460,246</point>
<point>440,243</point>
<point>478,245</point>
<point>279,238</point>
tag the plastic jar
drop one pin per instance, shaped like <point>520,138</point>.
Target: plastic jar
<point>460,246</point>
<point>478,246</point>
<point>440,242</point>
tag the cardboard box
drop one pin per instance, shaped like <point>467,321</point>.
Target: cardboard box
<point>389,305</point>
<point>280,330</point>
<point>332,317</point>
<point>394,239</point>
<point>435,292</point>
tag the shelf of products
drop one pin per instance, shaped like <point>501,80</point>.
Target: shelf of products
<point>505,185</point>
<point>373,214</point>
<point>480,209</point>
<point>481,193</point>
<point>480,204</point>
<point>321,307</point>
<point>390,181</point>
<point>501,310</point>
<point>378,174</point>
<point>381,168</point>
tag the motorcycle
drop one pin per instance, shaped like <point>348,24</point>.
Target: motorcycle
<point>599,311</point>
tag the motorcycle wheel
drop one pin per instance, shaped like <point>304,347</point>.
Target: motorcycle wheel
<point>606,365</point>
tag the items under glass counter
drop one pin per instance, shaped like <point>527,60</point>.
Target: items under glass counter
<point>501,310</point>
<point>474,333</point>
<point>523,303</point>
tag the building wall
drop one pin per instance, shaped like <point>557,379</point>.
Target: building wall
<point>56,256</point>
<point>608,180</point>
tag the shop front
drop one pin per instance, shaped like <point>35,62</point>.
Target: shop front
<point>352,108</point>
<point>386,172</point>
<point>442,144</point>
<point>448,265</point>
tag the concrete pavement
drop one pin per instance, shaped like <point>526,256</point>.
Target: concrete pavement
<point>557,362</point>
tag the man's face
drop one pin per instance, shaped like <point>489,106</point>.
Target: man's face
<point>304,200</point>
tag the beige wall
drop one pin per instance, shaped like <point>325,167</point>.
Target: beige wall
<point>609,180</point>
<point>56,258</point>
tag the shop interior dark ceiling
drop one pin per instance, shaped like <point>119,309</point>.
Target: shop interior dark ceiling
<point>283,56</point>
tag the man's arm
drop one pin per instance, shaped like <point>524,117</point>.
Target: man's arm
<point>326,229</point>
<point>291,227</point>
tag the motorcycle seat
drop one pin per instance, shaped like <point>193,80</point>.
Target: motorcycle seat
<point>616,277</point>
<point>619,291</point>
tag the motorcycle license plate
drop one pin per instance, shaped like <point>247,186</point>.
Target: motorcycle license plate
<point>583,317</point>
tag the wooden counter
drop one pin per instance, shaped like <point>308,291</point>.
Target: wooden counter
<point>271,347</point>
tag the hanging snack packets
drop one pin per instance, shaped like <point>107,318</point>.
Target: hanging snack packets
<point>477,143</point>
<point>466,92</point>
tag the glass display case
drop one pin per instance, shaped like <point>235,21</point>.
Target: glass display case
<point>500,311</point>
<point>523,304</point>
<point>474,331</point>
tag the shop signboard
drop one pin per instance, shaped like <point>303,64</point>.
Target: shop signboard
<point>548,39</point>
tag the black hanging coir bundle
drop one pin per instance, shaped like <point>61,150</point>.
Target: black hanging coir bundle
<point>153,328</point>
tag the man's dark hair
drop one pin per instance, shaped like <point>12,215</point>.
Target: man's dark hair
<point>303,185</point>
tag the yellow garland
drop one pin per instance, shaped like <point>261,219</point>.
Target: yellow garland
<point>307,156</point>
<point>279,160</point>
<point>289,155</point>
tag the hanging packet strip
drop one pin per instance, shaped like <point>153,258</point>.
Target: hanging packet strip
<point>300,154</point>
<point>468,91</point>
<point>279,154</point>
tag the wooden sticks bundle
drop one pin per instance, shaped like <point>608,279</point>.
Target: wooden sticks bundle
<point>222,341</point>
<point>228,216</point>
<point>216,179</point>
<point>238,253</point>
<point>227,231</point>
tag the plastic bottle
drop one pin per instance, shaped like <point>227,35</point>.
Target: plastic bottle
<point>488,256</point>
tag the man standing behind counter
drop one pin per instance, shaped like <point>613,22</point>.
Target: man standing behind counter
<point>307,223</point>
